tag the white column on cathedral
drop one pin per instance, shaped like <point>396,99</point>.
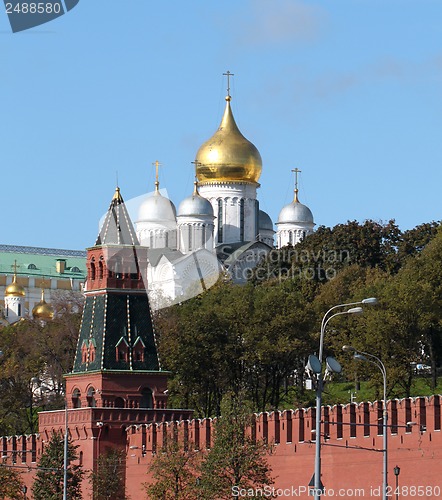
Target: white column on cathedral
<point>235,208</point>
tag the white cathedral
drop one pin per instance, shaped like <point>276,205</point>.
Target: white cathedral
<point>219,229</point>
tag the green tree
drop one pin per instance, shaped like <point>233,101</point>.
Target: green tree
<point>31,349</point>
<point>235,459</point>
<point>108,481</point>
<point>48,484</point>
<point>11,484</point>
<point>175,473</point>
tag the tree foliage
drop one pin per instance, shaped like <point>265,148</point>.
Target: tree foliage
<point>48,484</point>
<point>174,472</point>
<point>256,338</point>
<point>108,481</point>
<point>244,337</point>
<point>11,484</point>
<point>235,460</point>
<point>32,349</point>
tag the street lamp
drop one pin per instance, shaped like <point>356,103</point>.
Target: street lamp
<point>37,381</point>
<point>318,486</point>
<point>397,471</point>
<point>370,358</point>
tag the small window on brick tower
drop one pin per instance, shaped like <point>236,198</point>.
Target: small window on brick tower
<point>91,397</point>
<point>92,353</point>
<point>139,349</point>
<point>76,398</point>
<point>122,350</point>
<point>84,352</point>
<point>92,269</point>
<point>100,268</point>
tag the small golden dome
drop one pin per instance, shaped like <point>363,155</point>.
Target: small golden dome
<point>43,310</point>
<point>228,155</point>
<point>14,289</point>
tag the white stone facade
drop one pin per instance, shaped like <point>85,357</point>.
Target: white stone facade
<point>235,208</point>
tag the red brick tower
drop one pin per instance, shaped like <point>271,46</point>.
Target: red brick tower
<point>117,379</point>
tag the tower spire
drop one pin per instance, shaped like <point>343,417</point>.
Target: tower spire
<point>296,171</point>
<point>228,74</point>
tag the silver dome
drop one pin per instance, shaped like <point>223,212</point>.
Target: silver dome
<point>295,212</point>
<point>195,205</point>
<point>156,208</point>
<point>265,222</point>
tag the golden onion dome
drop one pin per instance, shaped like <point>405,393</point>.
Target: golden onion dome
<point>43,310</point>
<point>14,289</point>
<point>228,155</point>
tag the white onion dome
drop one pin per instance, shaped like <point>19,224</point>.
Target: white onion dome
<point>157,208</point>
<point>265,222</point>
<point>195,205</point>
<point>295,212</point>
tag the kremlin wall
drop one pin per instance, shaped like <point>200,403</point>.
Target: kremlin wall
<point>351,453</point>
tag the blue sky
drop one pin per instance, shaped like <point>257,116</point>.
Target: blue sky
<point>350,92</point>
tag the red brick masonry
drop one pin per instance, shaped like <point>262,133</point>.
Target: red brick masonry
<point>351,453</point>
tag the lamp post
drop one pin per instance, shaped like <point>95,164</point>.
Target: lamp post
<point>318,487</point>
<point>371,358</point>
<point>397,471</point>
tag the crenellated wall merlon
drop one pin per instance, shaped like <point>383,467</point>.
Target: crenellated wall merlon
<point>359,423</point>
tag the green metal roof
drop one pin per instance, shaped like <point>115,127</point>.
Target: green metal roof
<point>41,262</point>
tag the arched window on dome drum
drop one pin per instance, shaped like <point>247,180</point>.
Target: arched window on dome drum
<point>19,310</point>
<point>290,238</point>
<point>220,221</point>
<point>241,220</point>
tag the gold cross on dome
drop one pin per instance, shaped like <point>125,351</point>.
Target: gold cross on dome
<point>228,74</point>
<point>15,266</point>
<point>296,171</point>
<point>196,164</point>
<point>157,165</point>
